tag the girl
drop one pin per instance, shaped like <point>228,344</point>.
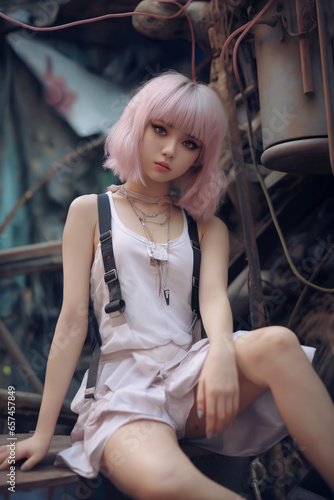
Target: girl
<point>157,382</point>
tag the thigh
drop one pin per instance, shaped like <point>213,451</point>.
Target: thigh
<point>140,452</point>
<point>144,460</point>
<point>245,348</point>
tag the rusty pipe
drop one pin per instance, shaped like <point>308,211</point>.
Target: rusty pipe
<point>304,48</point>
<point>325,67</point>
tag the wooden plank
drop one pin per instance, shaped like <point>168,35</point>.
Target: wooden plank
<point>31,258</point>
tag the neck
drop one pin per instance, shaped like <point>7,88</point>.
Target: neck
<point>157,190</point>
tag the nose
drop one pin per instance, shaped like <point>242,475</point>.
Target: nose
<point>169,149</point>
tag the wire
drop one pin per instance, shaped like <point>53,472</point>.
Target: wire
<point>245,30</point>
<point>192,34</point>
<point>97,18</point>
<point>228,40</point>
<point>182,9</point>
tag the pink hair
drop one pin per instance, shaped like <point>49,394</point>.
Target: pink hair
<point>188,106</point>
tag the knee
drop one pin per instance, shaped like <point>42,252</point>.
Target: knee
<point>275,344</point>
<point>280,339</point>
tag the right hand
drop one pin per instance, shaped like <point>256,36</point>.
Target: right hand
<point>34,449</point>
<point>218,390</point>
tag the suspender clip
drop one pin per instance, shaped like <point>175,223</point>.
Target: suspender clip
<point>195,245</point>
<point>195,281</point>
<point>114,306</point>
<point>110,276</point>
<point>90,393</point>
<point>105,236</point>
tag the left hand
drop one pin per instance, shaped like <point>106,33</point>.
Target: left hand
<point>218,390</point>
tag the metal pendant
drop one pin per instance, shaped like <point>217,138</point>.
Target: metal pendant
<point>167,294</point>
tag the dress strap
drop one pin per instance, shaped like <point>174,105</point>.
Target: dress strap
<point>194,241</point>
<point>116,304</point>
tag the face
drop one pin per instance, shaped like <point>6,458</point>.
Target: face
<point>167,152</point>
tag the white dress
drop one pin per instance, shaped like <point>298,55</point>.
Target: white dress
<point>151,362</point>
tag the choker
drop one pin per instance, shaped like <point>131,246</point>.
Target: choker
<point>156,200</point>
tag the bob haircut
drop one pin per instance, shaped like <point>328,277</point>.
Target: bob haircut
<point>188,106</point>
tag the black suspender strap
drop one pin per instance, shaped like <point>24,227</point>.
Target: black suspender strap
<point>94,362</point>
<point>95,359</point>
<point>116,304</point>
<point>194,240</point>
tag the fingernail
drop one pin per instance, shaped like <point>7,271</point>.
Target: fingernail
<point>23,468</point>
<point>200,414</point>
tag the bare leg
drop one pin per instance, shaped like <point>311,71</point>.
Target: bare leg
<point>272,356</point>
<point>143,459</point>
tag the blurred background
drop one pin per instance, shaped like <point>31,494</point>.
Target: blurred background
<point>61,90</point>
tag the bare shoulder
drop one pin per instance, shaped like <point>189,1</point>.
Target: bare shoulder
<point>81,219</point>
<point>84,206</point>
<point>78,250</point>
<point>212,230</point>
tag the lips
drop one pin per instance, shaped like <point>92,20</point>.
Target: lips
<point>161,165</point>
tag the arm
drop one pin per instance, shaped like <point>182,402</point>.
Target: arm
<point>71,329</point>
<point>218,387</point>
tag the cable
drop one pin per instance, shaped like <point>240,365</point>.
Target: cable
<point>192,34</point>
<point>182,9</point>
<point>97,18</point>
<point>245,30</point>
<point>229,39</point>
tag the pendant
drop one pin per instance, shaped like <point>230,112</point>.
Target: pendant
<point>158,252</point>
<point>166,294</point>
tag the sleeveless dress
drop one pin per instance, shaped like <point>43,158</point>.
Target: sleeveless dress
<point>151,362</point>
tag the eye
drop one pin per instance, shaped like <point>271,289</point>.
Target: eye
<point>191,145</point>
<point>159,129</point>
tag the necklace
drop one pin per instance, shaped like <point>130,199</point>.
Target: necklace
<point>156,200</point>
<point>150,215</point>
<point>132,197</point>
<point>158,254</point>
